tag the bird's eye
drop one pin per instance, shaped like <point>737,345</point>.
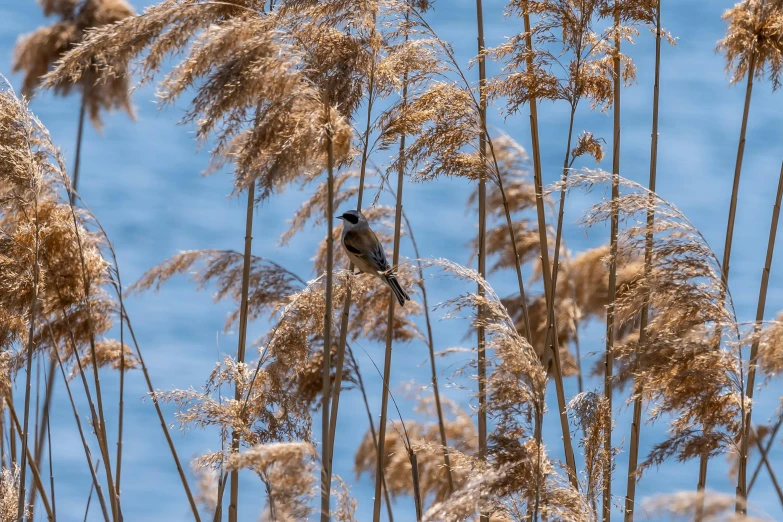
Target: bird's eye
<point>351,218</point>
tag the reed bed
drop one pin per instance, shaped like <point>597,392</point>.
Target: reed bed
<point>355,103</point>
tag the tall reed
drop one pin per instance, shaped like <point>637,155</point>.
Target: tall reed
<point>610,312</point>
<point>243,307</point>
<point>35,53</point>
<point>34,191</point>
<point>390,320</point>
<point>482,247</point>
<point>326,452</point>
<point>752,48</point>
<point>343,340</point>
<point>633,452</point>
<point>742,490</point>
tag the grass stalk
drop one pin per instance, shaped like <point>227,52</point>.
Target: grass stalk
<point>121,400</point>
<point>12,436</point>
<point>89,500</point>
<point>83,376</point>
<point>609,360</point>
<point>724,276</point>
<point>85,445</point>
<point>99,423</point>
<point>33,468</point>
<point>79,134</point>
<point>772,476</point>
<point>742,492</point>
<point>42,430</point>
<point>548,286</point>
<point>633,453</point>
<point>51,468</point>
<point>162,420</point>
<point>363,390</point>
<point>23,434</point>
<point>482,246</point>
<point>233,507</point>
<point>326,456</point>
<point>390,321</point>
<point>431,346</point>
<point>348,297</point>
<point>764,451</point>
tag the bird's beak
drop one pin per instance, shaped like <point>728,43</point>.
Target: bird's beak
<point>339,217</point>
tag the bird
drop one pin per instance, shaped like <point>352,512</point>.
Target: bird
<point>366,252</point>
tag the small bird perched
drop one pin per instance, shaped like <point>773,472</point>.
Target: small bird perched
<point>366,252</point>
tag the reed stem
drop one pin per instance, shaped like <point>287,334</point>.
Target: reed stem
<point>764,451</point>
<point>633,453</point>
<point>33,469</point>
<point>482,247</point>
<point>724,276</point>
<point>326,455</point>
<point>23,434</point>
<point>390,319</point>
<point>363,390</point>
<point>548,283</point>
<point>79,134</point>
<point>609,361</point>
<point>345,318</point>
<point>233,508</point>
<point>93,473</point>
<point>162,420</point>
<point>742,492</point>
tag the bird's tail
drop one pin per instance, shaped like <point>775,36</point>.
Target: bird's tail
<point>391,280</point>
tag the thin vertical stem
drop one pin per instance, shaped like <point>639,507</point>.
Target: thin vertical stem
<point>348,294</point>
<point>87,453</point>
<point>390,320</point>
<point>99,421</point>
<point>79,133</point>
<point>548,287</point>
<point>233,507</point>
<point>724,276</point>
<point>83,376</point>
<point>33,469</point>
<point>482,246</point>
<point>764,450</point>
<point>11,434</point>
<point>326,456</point>
<point>363,390</point>
<point>43,430</point>
<point>28,378</point>
<point>51,468</point>
<point>89,500</point>
<point>162,420</point>
<point>609,360</point>
<point>431,347</point>
<point>765,461</point>
<point>742,492</point>
<point>121,405</point>
<point>633,453</point>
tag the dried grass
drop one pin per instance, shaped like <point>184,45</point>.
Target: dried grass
<point>679,367</point>
<point>38,52</point>
<point>684,505</point>
<point>754,38</point>
<point>9,494</point>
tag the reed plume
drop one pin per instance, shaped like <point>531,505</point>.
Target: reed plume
<point>682,368</point>
<point>286,469</point>
<point>51,259</point>
<point>9,493</point>
<point>36,53</point>
<point>753,47</point>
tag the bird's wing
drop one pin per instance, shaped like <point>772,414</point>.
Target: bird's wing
<point>365,245</point>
